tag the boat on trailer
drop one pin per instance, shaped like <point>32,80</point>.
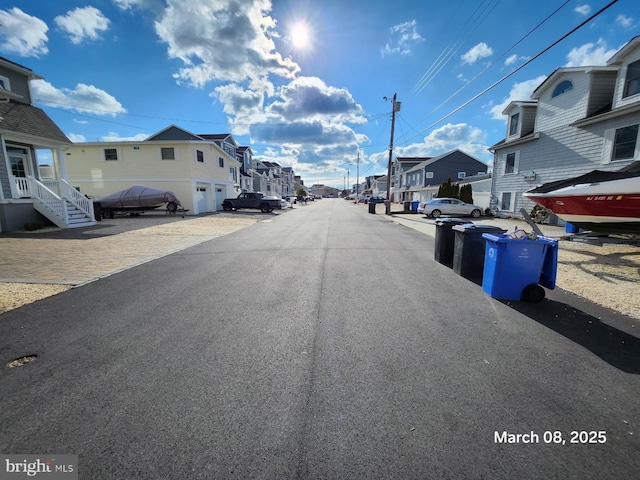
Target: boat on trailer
<point>600,201</point>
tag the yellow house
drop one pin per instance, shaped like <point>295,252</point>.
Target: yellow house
<point>196,169</point>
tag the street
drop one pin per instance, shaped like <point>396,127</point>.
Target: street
<point>323,342</point>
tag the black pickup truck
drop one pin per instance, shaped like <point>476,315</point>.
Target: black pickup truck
<point>252,200</point>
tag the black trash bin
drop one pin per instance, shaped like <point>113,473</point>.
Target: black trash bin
<point>469,249</point>
<point>445,239</point>
<point>97,211</point>
<point>406,206</point>
<point>372,207</point>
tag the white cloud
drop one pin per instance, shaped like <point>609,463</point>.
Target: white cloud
<point>519,92</point>
<point>511,59</point>
<point>22,34</point>
<point>155,5</point>
<point>481,50</point>
<point>590,54</point>
<point>114,137</point>
<point>624,21</point>
<point>462,136</point>
<point>404,37</point>
<point>583,9</point>
<point>76,138</point>
<point>83,23</point>
<point>84,98</point>
<point>222,41</point>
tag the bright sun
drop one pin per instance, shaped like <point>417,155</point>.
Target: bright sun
<point>300,35</point>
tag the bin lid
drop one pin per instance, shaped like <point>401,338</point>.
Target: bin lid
<point>451,221</point>
<point>478,228</point>
<point>504,238</point>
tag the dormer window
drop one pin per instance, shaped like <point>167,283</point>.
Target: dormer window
<point>632,82</point>
<point>4,83</point>
<point>514,124</point>
<point>563,87</point>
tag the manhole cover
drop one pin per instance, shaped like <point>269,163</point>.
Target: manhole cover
<point>18,362</point>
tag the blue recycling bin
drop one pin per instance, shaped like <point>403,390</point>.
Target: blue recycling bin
<point>514,269</point>
<point>414,205</point>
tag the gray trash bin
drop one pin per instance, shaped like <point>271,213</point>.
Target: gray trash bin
<point>372,207</point>
<point>469,249</point>
<point>445,238</point>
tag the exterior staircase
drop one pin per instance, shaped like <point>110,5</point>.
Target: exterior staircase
<point>60,202</point>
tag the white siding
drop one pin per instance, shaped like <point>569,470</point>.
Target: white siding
<point>565,108</point>
<point>618,101</point>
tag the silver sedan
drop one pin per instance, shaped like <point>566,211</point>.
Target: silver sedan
<point>449,206</point>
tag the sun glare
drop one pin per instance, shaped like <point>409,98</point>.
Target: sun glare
<point>300,35</point>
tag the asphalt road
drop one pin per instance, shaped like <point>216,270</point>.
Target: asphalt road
<point>320,343</point>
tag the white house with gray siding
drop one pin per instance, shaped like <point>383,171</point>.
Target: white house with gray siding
<point>26,132</point>
<point>580,119</point>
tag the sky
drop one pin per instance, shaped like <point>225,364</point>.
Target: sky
<point>306,84</point>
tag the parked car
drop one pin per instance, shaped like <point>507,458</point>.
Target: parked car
<point>376,200</point>
<point>449,206</point>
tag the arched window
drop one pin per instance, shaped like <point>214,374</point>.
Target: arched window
<point>563,86</point>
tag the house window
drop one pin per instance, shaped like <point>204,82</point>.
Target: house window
<point>110,154</point>
<point>4,83</point>
<point>167,153</point>
<point>561,88</point>
<point>462,174</point>
<point>221,162</point>
<point>506,201</point>
<point>632,82</point>
<point>514,124</point>
<point>232,174</point>
<point>510,163</point>
<point>428,174</point>
<point>200,156</point>
<point>624,146</point>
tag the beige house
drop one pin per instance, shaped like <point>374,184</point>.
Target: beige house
<point>195,168</point>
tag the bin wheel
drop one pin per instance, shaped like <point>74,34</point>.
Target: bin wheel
<point>533,293</point>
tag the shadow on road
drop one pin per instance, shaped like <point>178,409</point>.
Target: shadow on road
<point>611,344</point>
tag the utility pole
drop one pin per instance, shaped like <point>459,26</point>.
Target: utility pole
<point>395,108</point>
<point>358,178</point>
<point>348,182</point>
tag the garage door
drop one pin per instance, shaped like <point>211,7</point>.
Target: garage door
<point>201,199</point>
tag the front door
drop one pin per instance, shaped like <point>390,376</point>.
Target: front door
<point>19,170</point>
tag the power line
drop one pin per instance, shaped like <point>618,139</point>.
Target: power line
<point>499,58</point>
<point>453,48</point>
<point>490,87</point>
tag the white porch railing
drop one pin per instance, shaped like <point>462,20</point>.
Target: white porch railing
<point>54,197</point>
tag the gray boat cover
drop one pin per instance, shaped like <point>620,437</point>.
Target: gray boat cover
<point>138,196</point>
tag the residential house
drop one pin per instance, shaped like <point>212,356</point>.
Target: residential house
<point>264,179</point>
<point>288,186</point>
<point>379,186</point>
<point>200,171</point>
<point>320,191</point>
<point>422,181</point>
<point>398,168</point>
<point>276,170</point>
<point>27,134</point>
<point>244,155</point>
<point>580,119</point>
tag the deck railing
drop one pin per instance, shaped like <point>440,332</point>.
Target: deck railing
<point>55,195</point>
